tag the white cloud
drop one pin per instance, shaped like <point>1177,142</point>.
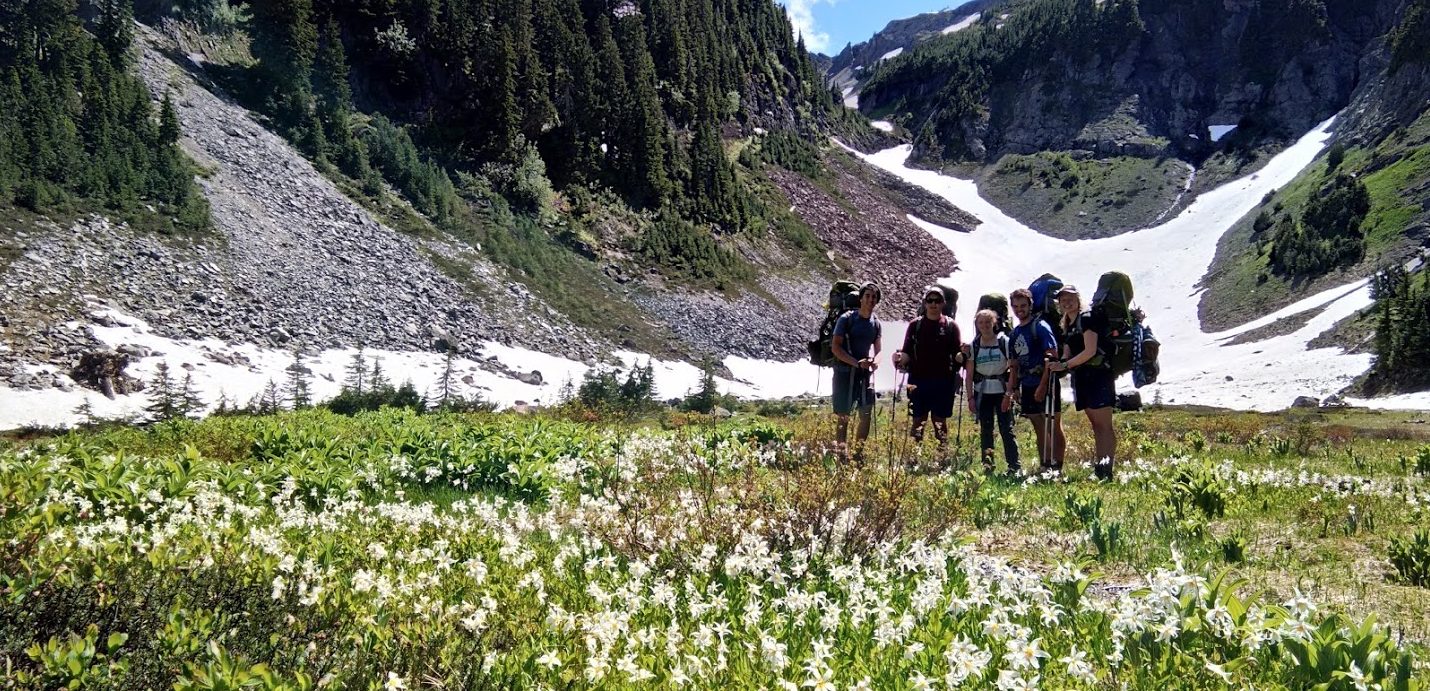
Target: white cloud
<point>801,15</point>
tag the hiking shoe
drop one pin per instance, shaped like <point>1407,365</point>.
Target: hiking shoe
<point>1014,474</point>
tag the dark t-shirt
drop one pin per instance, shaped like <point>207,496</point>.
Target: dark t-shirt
<point>1030,343</point>
<point>859,335</point>
<point>931,345</point>
<point>1087,321</point>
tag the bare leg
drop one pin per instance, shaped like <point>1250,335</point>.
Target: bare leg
<point>1044,462</point>
<point>1104,440</point>
<point>841,436</point>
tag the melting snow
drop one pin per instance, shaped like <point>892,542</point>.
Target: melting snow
<point>963,23</point>
<point>1166,263</point>
<point>884,125</point>
<point>892,54</point>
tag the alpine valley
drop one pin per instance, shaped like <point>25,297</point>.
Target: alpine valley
<point>505,194</point>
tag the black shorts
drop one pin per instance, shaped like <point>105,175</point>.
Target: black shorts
<point>860,395</point>
<point>1030,405</point>
<point>1093,388</point>
<point>931,397</point>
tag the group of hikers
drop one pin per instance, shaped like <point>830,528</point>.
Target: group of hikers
<point>1001,370</point>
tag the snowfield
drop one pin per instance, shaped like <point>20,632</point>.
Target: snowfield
<point>1166,264</point>
<point>962,24</point>
<point>892,54</point>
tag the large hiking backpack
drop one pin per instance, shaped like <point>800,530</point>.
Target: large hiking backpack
<point>843,297</point>
<point>1128,344</point>
<point>1045,300</point>
<point>950,301</point>
<point>999,304</point>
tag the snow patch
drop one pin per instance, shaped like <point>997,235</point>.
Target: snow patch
<point>238,373</point>
<point>962,24</point>
<point>1219,131</point>
<point>883,125</point>
<point>892,54</point>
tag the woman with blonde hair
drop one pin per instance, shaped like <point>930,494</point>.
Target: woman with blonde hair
<point>1094,387</point>
<point>991,391</point>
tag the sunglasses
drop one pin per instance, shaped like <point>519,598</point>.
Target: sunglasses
<point>932,300</point>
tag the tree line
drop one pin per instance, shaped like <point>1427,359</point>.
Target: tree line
<point>1402,343</point>
<point>78,129</point>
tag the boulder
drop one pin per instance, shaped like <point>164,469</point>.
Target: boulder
<point>1306,402</point>
<point>103,371</point>
<point>533,378</point>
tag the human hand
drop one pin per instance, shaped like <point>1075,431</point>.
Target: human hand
<point>1007,402</point>
<point>1039,394</point>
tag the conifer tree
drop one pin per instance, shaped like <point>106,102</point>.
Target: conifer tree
<point>378,382</point>
<point>190,403</point>
<point>357,372</point>
<point>300,389</point>
<point>164,401</point>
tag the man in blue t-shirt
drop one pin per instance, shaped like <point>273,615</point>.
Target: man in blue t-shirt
<point>1040,397</point>
<point>856,344</point>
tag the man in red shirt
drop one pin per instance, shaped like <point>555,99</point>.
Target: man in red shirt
<point>932,355</point>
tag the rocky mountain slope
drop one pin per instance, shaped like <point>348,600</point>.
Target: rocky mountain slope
<point>294,262</point>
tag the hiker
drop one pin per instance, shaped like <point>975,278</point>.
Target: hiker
<point>1039,392</point>
<point>992,390</point>
<point>1094,388</point>
<point>856,344</point>
<point>932,356</point>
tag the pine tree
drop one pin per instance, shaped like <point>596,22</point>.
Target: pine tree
<point>299,389</point>
<point>116,30</point>
<point>444,385</point>
<point>378,382</point>
<point>168,122</point>
<point>164,400</point>
<point>357,373</point>
<point>190,403</point>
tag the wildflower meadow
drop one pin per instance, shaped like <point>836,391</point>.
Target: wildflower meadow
<point>392,550</point>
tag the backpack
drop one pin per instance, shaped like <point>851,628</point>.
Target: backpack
<point>843,297</point>
<point>950,301</point>
<point>1045,300</point>
<point>1128,344</point>
<point>999,304</point>
<point>1003,347</point>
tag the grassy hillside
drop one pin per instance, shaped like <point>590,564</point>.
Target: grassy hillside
<point>1396,174</point>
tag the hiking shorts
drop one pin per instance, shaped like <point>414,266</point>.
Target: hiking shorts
<point>931,397</point>
<point>846,397</point>
<point>1030,405</point>
<point>1093,388</point>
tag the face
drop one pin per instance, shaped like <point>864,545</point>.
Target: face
<point>868,299</point>
<point>1068,303</point>
<point>933,304</point>
<point>984,324</point>
<point>1021,309</point>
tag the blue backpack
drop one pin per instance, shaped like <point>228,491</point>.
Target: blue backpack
<point>1045,300</point>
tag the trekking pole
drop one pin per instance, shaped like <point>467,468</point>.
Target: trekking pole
<point>1049,410</point>
<point>961,402</point>
<point>893,411</point>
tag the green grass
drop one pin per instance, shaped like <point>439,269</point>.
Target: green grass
<point>393,512</point>
<point>1071,197</point>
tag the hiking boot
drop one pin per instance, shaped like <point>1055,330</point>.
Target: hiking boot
<point>988,467</point>
<point>1102,471</point>
<point>1014,473</point>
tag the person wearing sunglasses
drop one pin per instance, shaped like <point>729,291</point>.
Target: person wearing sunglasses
<point>932,355</point>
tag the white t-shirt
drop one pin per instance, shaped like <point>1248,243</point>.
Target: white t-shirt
<point>991,364</point>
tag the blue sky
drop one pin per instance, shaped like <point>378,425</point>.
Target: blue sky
<point>828,24</point>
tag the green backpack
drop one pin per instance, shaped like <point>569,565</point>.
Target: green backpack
<point>1113,301</point>
<point>999,304</point>
<point>843,297</point>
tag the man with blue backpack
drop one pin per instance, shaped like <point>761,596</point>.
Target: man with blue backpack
<point>1039,393</point>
